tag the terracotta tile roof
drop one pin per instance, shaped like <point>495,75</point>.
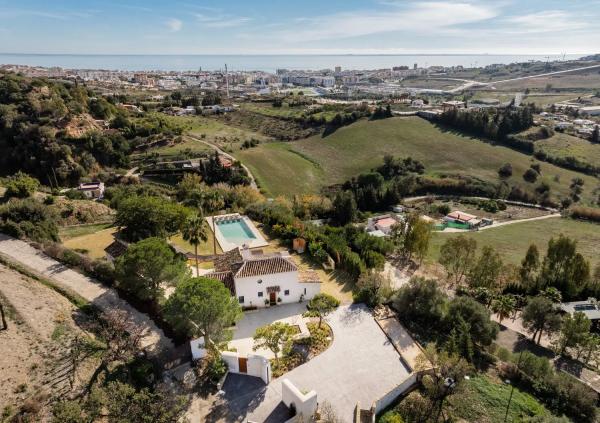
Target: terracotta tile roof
<point>228,260</point>
<point>265,266</point>
<point>308,276</point>
<point>225,277</point>
<point>116,249</point>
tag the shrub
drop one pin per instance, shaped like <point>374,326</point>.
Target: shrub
<point>104,271</point>
<point>505,170</point>
<point>71,258</point>
<point>21,185</point>
<point>530,175</point>
<point>391,416</point>
<point>586,213</point>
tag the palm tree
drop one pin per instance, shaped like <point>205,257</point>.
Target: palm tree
<point>503,306</point>
<point>194,232</point>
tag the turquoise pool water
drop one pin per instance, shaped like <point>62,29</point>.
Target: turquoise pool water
<point>236,232</point>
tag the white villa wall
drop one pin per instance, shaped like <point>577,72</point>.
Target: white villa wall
<point>231,358</point>
<point>383,402</point>
<point>249,288</point>
<point>305,404</point>
<point>198,348</point>
<point>256,365</point>
<point>260,367</point>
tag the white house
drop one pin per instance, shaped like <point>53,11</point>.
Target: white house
<point>259,280</point>
<point>92,189</point>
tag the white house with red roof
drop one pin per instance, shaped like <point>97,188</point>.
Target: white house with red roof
<point>260,280</point>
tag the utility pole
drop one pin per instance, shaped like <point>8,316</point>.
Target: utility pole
<point>226,81</point>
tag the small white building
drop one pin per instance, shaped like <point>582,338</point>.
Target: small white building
<point>93,190</point>
<point>260,280</point>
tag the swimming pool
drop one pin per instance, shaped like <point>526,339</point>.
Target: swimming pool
<point>236,232</point>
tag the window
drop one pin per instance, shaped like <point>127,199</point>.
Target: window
<point>304,291</point>
<point>241,299</point>
<point>286,292</point>
<point>260,293</point>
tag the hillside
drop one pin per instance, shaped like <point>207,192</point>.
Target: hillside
<point>284,168</point>
<point>60,132</point>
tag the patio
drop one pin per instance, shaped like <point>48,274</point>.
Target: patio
<point>244,330</point>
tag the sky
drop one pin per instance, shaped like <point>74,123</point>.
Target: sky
<point>300,27</point>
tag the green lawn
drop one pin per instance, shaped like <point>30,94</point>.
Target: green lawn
<point>485,400</point>
<point>360,147</point>
<point>512,241</point>
<point>563,145</point>
<point>81,230</point>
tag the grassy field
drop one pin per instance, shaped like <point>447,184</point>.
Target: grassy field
<point>485,400</point>
<point>280,170</point>
<point>69,232</point>
<point>285,111</point>
<point>204,248</point>
<point>563,145</point>
<point>93,240</point>
<point>360,147</point>
<point>512,241</point>
<point>209,129</point>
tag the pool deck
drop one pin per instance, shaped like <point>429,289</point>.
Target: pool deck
<point>258,241</point>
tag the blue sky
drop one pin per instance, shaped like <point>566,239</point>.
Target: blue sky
<point>301,26</point>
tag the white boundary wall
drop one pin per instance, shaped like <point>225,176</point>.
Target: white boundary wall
<point>305,404</point>
<point>256,365</point>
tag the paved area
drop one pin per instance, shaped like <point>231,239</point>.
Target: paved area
<point>245,328</point>
<point>18,251</point>
<point>359,367</point>
<point>402,341</point>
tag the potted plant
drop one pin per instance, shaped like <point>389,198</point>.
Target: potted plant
<point>267,302</point>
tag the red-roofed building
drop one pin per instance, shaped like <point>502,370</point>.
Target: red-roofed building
<point>259,280</point>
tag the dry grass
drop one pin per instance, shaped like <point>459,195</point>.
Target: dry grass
<point>92,244</point>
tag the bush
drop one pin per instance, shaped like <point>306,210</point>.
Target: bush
<point>586,213</point>
<point>71,258</point>
<point>75,194</point>
<point>530,175</point>
<point>505,170</point>
<point>28,218</point>
<point>391,416</point>
<point>21,185</point>
<point>104,271</point>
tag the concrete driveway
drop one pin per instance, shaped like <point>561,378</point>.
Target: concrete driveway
<point>359,367</point>
<point>244,330</point>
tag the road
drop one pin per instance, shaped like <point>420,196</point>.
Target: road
<point>229,156</point>
<point>473,84</point>
<point>154,341</point>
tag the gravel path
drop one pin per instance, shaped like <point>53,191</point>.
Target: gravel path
<point>105,298</point>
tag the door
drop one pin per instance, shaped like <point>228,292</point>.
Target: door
<point>273,298</point>
<point>243,364</point>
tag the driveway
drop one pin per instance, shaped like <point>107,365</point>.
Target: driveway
<point>245,328</point>
<point>105,298</point>
<point>359,367</point>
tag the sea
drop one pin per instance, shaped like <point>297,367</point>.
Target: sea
<point>266,63</point>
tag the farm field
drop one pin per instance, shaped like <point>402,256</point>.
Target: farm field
<point>360,147</point>
<point>512,241</point>
<point>563,145</point>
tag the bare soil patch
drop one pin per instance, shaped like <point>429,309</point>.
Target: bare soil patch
<point>32,349</point>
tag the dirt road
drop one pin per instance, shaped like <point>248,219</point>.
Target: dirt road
<point>18,251</point>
